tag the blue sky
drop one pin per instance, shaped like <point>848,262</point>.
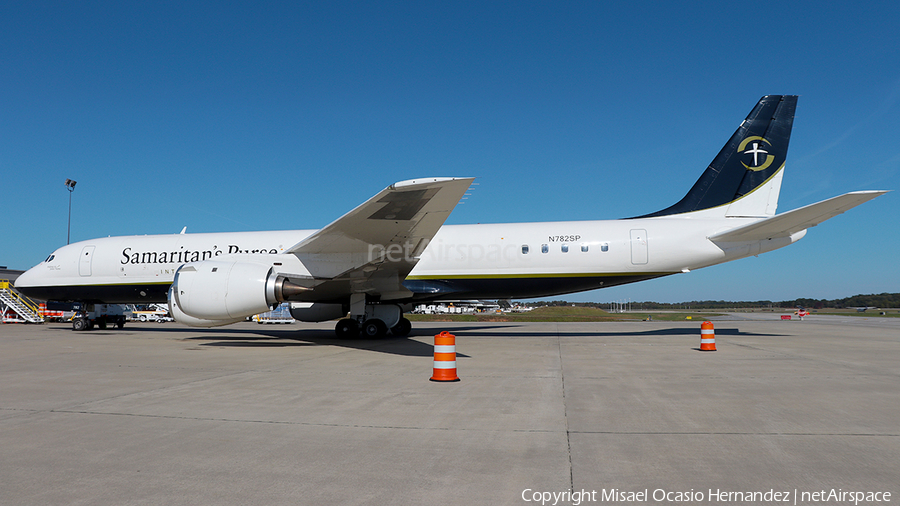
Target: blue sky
<point>261,115</point>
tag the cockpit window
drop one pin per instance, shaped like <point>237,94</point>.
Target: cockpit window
<point>50,258</point>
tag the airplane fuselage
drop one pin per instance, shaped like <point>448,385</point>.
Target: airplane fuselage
<point>473,261</point>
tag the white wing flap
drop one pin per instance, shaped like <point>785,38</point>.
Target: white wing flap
<point>791,222</point>
<point>394,225</point>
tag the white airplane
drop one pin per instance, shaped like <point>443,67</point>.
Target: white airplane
<point>376,262</point>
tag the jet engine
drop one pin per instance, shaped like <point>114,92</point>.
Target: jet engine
<point>219,292</point>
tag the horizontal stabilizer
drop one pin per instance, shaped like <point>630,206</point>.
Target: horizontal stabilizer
<point>791,222</point>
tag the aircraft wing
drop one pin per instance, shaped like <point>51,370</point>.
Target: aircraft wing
<point>374,246</point>
<point>791,222</point>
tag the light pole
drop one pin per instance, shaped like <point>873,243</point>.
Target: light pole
<point>70,185</point>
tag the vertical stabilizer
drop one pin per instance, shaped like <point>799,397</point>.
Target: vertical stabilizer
<point>746,174</point>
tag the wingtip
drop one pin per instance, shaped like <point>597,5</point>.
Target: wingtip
<point>427,180</point>
<point>870,193</point>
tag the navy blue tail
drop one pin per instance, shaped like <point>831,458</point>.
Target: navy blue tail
<point>755,152</point>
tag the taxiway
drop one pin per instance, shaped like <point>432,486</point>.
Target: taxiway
<point>252,414</point>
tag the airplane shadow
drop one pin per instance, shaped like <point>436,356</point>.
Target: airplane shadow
<point>674,331</point>
<point>282,337</point>
<point>274,338</point>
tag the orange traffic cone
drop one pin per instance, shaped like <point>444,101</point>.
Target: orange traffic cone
<point>444,357</point>
<point>707,337</point>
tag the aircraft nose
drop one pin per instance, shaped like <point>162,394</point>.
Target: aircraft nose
<point>26,279</point>
<point>31,284</point>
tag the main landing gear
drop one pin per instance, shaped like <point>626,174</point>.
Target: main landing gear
<point>372,320</point>
<point>348,328</point>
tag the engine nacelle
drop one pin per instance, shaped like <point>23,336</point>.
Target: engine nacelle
<point>317,311</point>
<point>220,292</point>
<point>190,321</point>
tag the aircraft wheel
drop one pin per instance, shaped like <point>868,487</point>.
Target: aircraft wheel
<point>79,324</point>
<point>121,323</point>
<point>101,324</point>
<point>346,329</point>
<point>402,328</point>
<point>374,328</point>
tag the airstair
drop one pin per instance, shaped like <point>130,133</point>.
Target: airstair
<point>15,307</point>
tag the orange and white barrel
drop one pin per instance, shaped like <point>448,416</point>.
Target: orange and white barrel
<point>444,357</point>
<point>707,337</point>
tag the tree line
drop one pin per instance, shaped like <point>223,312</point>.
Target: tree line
<point>882,300</point>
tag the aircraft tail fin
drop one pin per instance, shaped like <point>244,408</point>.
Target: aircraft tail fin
<point>746,174</point>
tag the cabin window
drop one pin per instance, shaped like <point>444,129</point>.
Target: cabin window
<point>214,269</point>
<point>565,248</point>
<point>524,249</point>
<point>604,247</point>
<point>545,248</point>
<point>584,248</point>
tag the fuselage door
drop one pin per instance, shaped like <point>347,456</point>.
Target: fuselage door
<point>639,246</point>
<point>84,263</point>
